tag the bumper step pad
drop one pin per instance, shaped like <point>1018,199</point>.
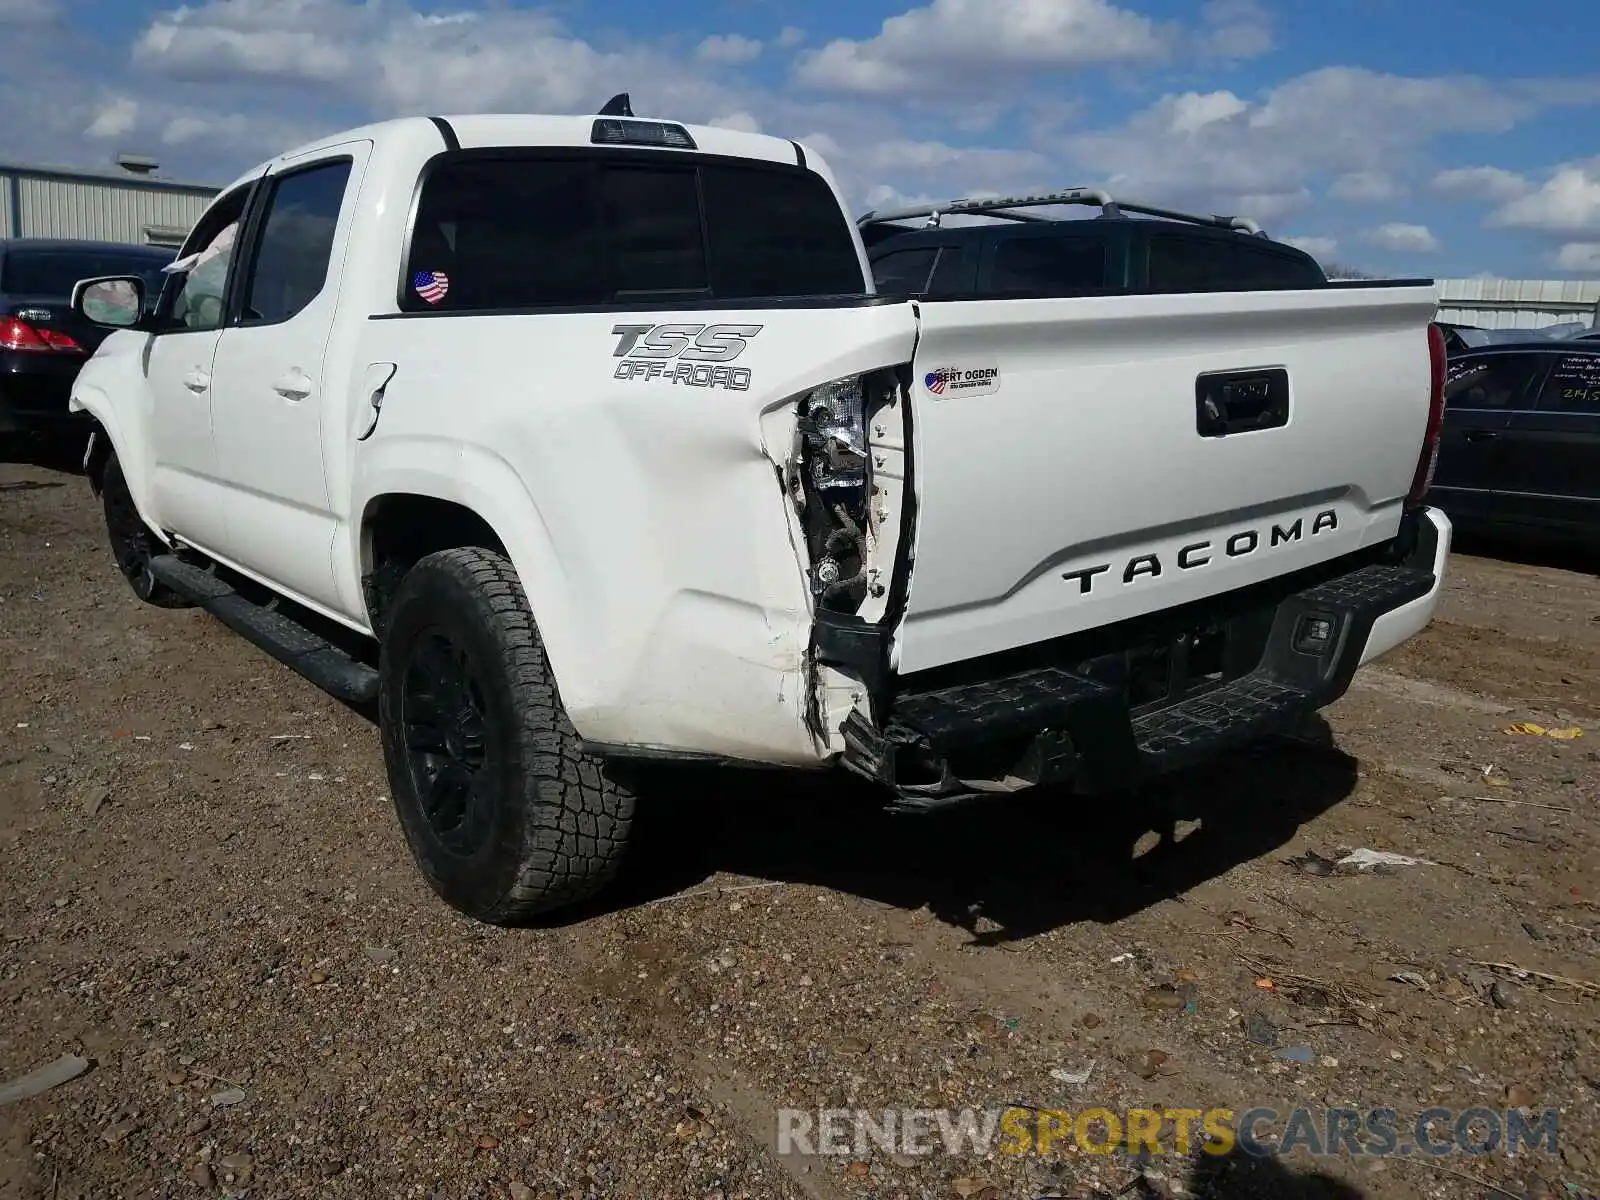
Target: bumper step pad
<point>1047,724</point>
<point>297,647</point>
<point>1232,714</point>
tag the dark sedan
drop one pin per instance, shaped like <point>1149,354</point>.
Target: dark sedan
<point>1520,451</point>
<point>42,344</point>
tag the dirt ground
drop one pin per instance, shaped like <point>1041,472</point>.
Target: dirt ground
<point>204,892</point>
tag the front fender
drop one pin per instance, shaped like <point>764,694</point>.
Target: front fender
<point>110,388</point>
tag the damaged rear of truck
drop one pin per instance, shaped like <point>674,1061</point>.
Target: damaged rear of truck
<point>957,546</point>
<point>1085,541</point>
<point>597,435</point>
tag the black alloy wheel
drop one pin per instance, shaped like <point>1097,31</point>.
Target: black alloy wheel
<point>445,733</point>
<point>507,814</point>
<point>132,543</point>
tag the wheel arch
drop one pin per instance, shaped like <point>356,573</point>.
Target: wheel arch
<point>437,497</point>
<point>108,439</point>
<point>398,529</point>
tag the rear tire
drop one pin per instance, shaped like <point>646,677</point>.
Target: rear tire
<point>132,543</point>
<point>505,816</point>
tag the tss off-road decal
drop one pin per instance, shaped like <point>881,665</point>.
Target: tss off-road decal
<point>692,355</point>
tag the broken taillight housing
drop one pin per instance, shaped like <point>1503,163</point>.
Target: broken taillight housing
<point>833,421</point>
<point>831,485</point>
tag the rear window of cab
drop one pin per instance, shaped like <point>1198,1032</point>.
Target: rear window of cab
<point>549,230</point>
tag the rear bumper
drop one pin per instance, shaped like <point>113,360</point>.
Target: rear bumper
<point>1225,674</point>
<point>34,391</point>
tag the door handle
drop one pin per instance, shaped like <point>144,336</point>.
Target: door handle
<point>296,385</point>
<point>197,380</point>
<point>1481,435</point>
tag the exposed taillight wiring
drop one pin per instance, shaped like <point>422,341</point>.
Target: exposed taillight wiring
<point>831,486</point>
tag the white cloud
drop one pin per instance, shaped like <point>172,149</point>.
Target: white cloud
<point>1403,238</point>
<point>1480,183</point>
<point>823,144</point>
<point>959,45</point>
<point>1578,257</point>
<point>1365,187</point>
<point>1193,111</point>
<point>373,54</point>
<point>883,196</point>
<point>731,49</point>
<point>1320,248</point>
<point>952,162</point>
<point>1234,29</point>
<point>303,40</point>
<point>1568,202</point>
<point>1047,119</point>
<point>1344,127</point>
<point>369,54</point>
<point>116,119</point>
<point>217,84</point>
<point>742,121</point>
<point>1270,206</point>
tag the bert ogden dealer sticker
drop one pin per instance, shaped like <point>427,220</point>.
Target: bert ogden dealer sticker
<point>968,379</point>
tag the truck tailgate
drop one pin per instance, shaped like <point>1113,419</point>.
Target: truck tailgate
<point>1082,461</point>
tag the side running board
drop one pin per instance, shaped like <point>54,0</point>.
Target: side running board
<point>323,663</point>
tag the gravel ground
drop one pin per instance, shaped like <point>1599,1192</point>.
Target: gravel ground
<point>204,892</point>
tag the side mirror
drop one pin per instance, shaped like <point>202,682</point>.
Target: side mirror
<point>116,301</point>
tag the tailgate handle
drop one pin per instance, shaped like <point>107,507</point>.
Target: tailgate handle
<point>1228,402</point>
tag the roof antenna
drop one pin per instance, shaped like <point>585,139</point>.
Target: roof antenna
<point>617,106</point>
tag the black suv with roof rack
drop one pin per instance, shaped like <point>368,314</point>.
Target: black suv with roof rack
<point>1025,255</point>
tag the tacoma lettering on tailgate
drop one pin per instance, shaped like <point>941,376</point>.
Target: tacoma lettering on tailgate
<point>1198,554</point>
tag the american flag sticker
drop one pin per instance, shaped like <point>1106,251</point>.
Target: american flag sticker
<point>431,285</point>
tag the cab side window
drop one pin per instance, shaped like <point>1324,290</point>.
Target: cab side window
<point>196,293</point>
<point>904,272</point>
<point>290,263</point>
<point>952,274</point>
<point>1182,263</point>
<point>1050,265</point>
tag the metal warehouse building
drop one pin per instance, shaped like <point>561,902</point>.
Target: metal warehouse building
<point>1519,303</point>
<point>130,206</point>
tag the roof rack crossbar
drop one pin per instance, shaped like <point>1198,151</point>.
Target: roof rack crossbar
<point>998,206</point>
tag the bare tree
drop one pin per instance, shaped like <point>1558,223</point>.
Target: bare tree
<point>1338,270</point>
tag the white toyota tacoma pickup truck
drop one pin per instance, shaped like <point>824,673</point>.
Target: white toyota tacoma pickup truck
<point>570,443</point>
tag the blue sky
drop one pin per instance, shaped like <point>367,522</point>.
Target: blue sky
<point>1400,136</point>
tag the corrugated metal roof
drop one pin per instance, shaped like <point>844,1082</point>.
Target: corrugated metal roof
<point>1566,291</point>
<point>125,179</point>
<point>104,211</point>
<point>1519,303</point>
